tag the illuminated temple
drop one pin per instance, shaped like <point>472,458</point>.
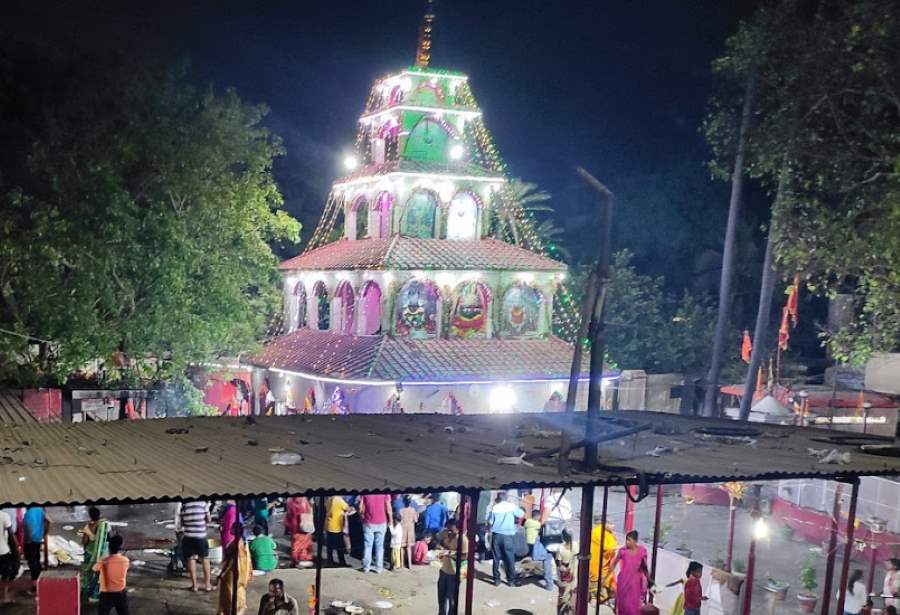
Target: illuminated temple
<point>415,305</point>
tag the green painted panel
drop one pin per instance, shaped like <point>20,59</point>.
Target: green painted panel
<point>418,217</point>
<point>428,142</point>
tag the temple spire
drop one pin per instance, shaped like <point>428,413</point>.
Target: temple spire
<point>423,52</point>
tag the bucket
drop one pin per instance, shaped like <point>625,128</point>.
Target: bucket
<point>215,551</point>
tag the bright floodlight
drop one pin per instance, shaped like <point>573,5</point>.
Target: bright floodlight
<point>350,162</point>
<point>760,529</point>
<point>457,151</point>
<point>502,398</point>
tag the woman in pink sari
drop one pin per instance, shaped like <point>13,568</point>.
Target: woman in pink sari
<point>228,518</point>
<point>633,577</point>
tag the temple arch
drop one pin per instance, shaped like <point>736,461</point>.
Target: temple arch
<point>380,215</point>
<point>428,141</point>
<point>419,215</point>
<point>298,309</point>
<point>321,306</point>
<point>343,308</point>
<point>462,216</point>
<point>358,219</point>
<point>370,309</point>
<point>417,310</point>
<point>470,310</point>
<point>521,311</point>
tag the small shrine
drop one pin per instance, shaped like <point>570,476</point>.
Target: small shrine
<point>416,307</point>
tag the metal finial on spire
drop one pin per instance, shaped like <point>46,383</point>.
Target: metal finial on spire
<point>423,52</point>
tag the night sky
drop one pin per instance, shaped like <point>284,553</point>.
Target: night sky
<point>616,86</point>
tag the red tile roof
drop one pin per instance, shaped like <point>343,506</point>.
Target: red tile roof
<point>408,253</point>
<point>385,358</point>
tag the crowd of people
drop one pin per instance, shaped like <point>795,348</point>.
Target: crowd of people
<point>383,532</point>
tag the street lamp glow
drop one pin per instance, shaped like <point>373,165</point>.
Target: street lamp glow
<point>501,399</point>
<point>350,162</point>
<point>457,151</point>
<point>760,529</point>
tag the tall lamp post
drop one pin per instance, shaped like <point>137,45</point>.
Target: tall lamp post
<point>759,531</point>
<point>876,527</point>
<point>867,406</point>
<point>804,406</point>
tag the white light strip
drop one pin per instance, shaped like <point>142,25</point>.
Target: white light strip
<point>430,74</point>
<point>849,420</point>
<point>437,110</point>
<point>371,178</point>
<point>384,383</point>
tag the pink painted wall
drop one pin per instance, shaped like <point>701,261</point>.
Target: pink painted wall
<point>371,309</point>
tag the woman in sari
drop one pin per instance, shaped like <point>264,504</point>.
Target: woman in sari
<point>633,579</point>
<point>230,518</point>
<point>237,556</point>
<point>610,545</point>
<point>94,537</point>
<point>295,509</point>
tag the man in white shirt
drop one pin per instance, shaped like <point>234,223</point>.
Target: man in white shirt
<point>9,552</point>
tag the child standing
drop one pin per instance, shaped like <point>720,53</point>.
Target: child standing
<point>396,543</point>
<point>532,530</point>
<point>693,593</point>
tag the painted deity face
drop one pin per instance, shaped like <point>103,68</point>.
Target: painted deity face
<point>469,317</point>
<point>417,310</point>
<point>521,309</point>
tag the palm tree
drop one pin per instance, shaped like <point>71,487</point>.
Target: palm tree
<point>517,197</point>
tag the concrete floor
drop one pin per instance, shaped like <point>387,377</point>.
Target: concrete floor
<point>702,528</point>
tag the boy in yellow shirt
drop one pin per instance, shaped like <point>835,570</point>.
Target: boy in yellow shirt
<point>532,530</point>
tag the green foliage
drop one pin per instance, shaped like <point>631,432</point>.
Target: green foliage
<point>139,222</point>
<point>828,120</point>
<point>179,397</point>
<point>526,197</point>
<point>649,329</point>
<point>808,573</point>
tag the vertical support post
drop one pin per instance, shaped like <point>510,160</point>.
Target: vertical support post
<point>832,550</point>
<point>732,509</point>
<point>848,548</point>
<point>656,527</point>
<point>320,539</point>
<point>583,590</point>
<point>471,531</point>
<point>751,564</point>
<point>629,508</point>
<point>602,548</point>
<point>235,571</point>
<point>464,514</point>
<point>873,557</point>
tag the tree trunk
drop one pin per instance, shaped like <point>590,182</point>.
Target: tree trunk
<point>763,312</point>
<point>734,209</point>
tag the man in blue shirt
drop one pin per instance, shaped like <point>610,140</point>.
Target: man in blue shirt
<point>502,522</point>
<point>35,524</point>
<point>435,516</point>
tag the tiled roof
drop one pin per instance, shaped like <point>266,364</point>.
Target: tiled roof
<point>404,165</point>
<point>409,253</point>
<point>222,457</point>
<point>386,358</point>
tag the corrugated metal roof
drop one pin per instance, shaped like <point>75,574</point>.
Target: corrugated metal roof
<point>411,253</point>
<point>166,459</point>
<point>12,410</point>
<point>400,359</point>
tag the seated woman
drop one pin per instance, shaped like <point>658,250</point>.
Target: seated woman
<point>263,551</point>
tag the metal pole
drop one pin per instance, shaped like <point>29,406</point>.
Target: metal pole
<point>659,503</point>
<point>832,549</point>
<point>583,590</point>
<point>597,326</point>
<point>471,531</point>
<point>602,548</point>
<point>464,514</point>
<point>748,582</point>
<point>729,556</point>
<point>873,558</point>
<point>848,548</point>
<point>629,509</point>
<point>235,573</point>
<point>320,539</point>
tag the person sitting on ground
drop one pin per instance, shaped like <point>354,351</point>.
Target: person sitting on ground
<point>532,530</point>
<point>263,551</point>
<point>113,571</point>
<point>276,602</point>
<point>420,550</point>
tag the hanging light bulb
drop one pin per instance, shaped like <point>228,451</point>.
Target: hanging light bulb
<point>456,151</point>
<point>350,162</point>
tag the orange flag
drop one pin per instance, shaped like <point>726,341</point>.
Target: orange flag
<point>793,300</point>
<point>859,403</point>
<point>784,332</point>
<point>746,347</point>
